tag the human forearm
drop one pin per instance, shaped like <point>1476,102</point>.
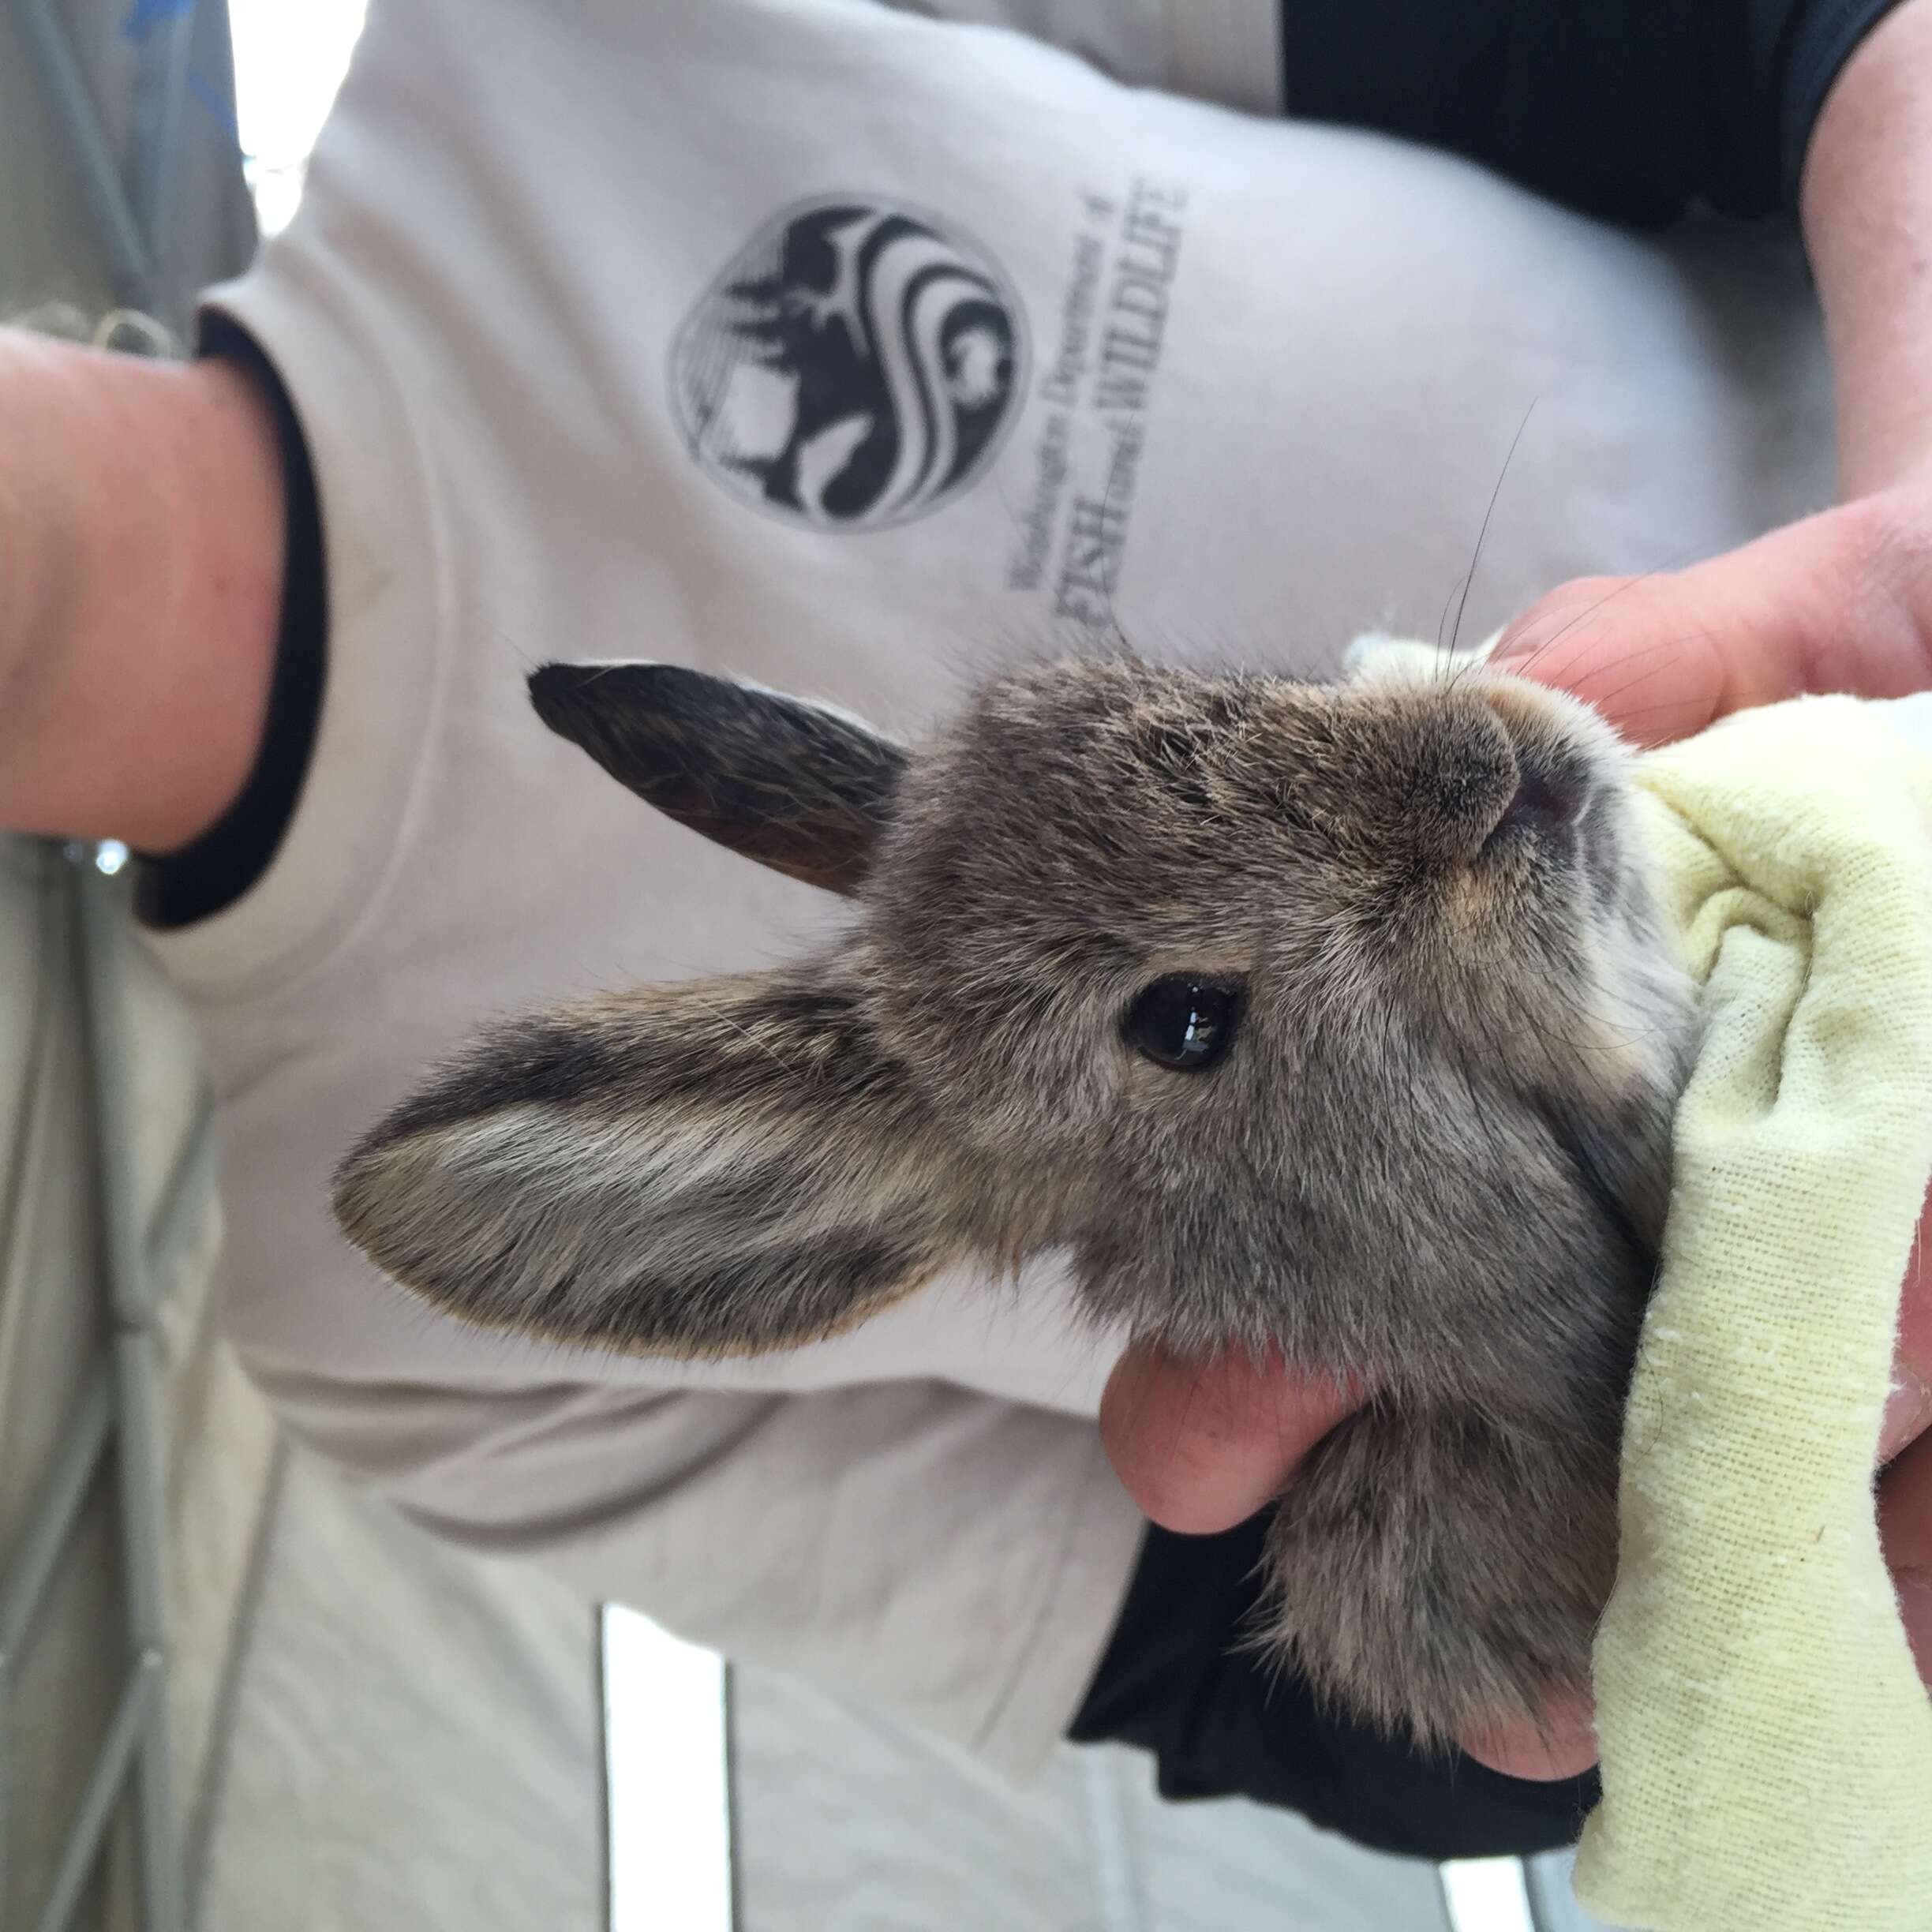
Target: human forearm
<point>1867,212</point>
<point>1843,600</point>
<point>142,534</point>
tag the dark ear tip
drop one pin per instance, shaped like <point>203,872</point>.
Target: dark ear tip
<point>553,689</point>
<point>577,701</point>
<point>551,678</point>
<point>556,691</point>
<point>566,696</point>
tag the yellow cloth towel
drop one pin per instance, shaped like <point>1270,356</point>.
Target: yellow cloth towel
<point>1767,1747</point>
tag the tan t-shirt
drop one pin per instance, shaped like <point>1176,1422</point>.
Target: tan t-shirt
<point>843,349</point>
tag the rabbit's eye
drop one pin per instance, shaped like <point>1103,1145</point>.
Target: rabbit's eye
<point>1184,1022</point>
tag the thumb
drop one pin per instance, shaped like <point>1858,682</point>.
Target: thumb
<point>1201,1443</point>
<point>1813,607</point>
<point>1630,647</point>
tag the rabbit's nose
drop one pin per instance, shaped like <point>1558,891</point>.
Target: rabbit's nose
<point>1556,776</point>
<point>1546,799</point>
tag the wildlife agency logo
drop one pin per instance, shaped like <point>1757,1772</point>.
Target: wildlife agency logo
<point>853,368</point>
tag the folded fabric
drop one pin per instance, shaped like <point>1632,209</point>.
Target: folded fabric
<point>1766,1744</point>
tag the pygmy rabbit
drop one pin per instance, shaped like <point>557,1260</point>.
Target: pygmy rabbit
<point>1339,1020</point>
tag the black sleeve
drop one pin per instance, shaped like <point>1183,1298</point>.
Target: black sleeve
<point>220,866</point>
<point>1630,110</point>
<point>1181,1680</point>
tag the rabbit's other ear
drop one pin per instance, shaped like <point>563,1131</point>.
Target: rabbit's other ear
<point>799,787</point>
<point>717,1168</point>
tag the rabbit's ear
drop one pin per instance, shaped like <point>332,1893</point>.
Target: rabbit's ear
<point>800,787</point>
<point>716,1168</point>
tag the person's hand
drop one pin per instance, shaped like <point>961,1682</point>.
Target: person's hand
<point>1840,602</point>
<point>1202,1444</point>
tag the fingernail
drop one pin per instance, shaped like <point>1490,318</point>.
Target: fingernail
<point>1907,1410</point>
<point>1560,1742</point>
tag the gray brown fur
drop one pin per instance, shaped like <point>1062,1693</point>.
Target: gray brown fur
<point>1437,1153</point>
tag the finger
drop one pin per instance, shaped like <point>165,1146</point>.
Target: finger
<point>1828,605</point>
<point>1560,1742</point>
<point>1640,649</point>
<point>1201,1444</point>
<point>1909,1413</point>
<point>1905,1531</point>
<point>1905,1447</point>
